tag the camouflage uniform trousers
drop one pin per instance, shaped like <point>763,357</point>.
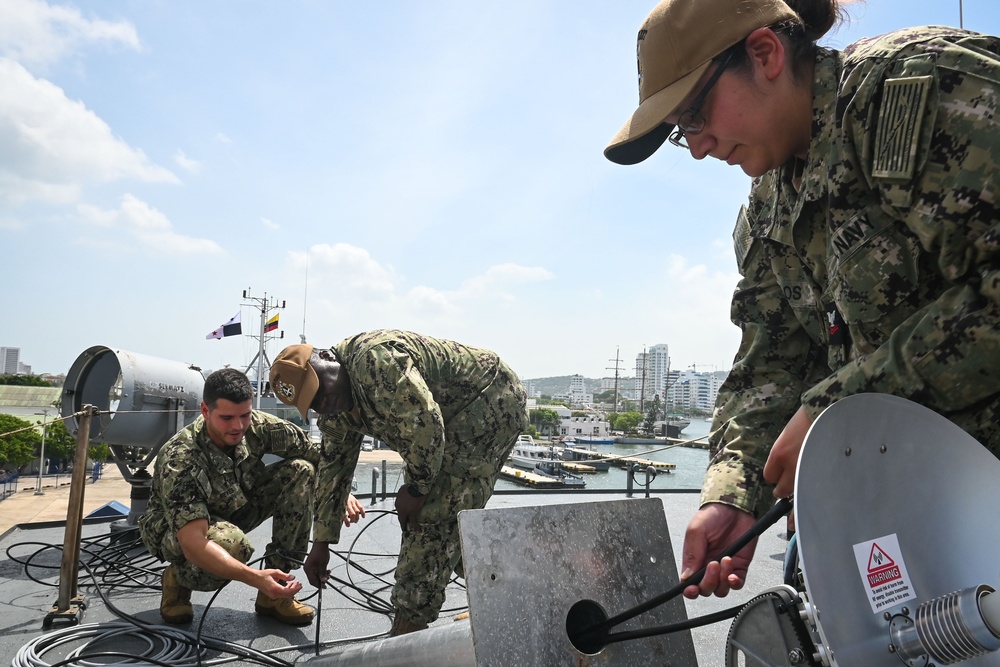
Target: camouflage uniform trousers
<point>487,430</point>
<point>287,496</point>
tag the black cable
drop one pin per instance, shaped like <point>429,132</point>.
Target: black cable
<point>598,634</point>
<point>199,642</point>
<point>679,626</point>
<point>111,562</point>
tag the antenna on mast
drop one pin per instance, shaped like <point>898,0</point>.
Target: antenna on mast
<point>617,368</point>
<point>305,300</point>
<point>265,305</point>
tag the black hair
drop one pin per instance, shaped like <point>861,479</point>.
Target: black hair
<point>815,19</point>
<point>227,383</point>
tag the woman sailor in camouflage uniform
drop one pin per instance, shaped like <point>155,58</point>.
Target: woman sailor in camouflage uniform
<point>870,247</point>
<point>453,413</point>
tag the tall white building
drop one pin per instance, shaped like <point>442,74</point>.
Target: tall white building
<point>695,391</point>
<point>10,357</point>
<point>578,391</point>
<point>651,369</point>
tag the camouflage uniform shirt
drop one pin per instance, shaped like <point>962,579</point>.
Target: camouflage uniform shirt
<point>873,265</point>
<point>195,479</point>
<point>423,397</point>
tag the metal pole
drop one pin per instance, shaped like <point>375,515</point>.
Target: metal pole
<point>41,455</point>
<point>260,354</point>
<point>69,567</point>
<point>384,477</point>
<point>650,475</point>
<point>630,469</point>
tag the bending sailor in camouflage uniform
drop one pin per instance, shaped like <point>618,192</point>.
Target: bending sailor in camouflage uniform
<point>211,487</point>
<point>453,413</point>
<point>870,248</point>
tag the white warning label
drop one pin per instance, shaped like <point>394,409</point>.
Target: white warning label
<point>883,572</point>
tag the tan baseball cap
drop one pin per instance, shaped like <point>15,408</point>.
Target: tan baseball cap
<point>293,378</point>
<point>675,46</point>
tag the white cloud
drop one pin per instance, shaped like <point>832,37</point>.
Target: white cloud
<point>270,224</point>
<point>694,317</point>
<point>149,227</point>
<point>351,290</point>
<point>222,138</point>
<point>186,163</point>
<point>52,144</point>
<point>353,270</point>
<point>36,33</point>
<point>500,276</point>
<point>15,189</point>
<point>431,302</point>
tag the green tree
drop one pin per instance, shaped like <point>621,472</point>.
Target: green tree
<point>99,452</point>
<point>544,419</point>
<point>60,444</point>
<point>628,421</point>
<point>18,448</point>
<point>607,395</point>
<point>24,380</point>
<point>652,414</point>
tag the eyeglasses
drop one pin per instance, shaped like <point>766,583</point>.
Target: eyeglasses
<point>692,121</point>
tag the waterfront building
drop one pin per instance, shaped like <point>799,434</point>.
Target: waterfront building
<point>590,426</point>
<point>10,360</point>
<point>651,369</point>
<point>694,390</point>
<point>578,394</point>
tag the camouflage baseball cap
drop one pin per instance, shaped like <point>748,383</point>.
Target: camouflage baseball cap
<point>293,378</point>
<point>675,46</point>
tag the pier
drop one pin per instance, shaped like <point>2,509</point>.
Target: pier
<point>625,462</point>
<point>526,478</point>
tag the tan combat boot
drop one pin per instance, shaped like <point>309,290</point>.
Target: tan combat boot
<point>402,626</point>
<point>286,610</point>
<point>175,600</point>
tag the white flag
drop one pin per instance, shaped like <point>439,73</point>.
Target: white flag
<point>230,328</point>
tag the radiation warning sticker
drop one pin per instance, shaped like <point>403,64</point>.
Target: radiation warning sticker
<point>883,572</point>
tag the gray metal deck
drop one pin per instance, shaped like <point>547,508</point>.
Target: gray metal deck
<point>371,550</point>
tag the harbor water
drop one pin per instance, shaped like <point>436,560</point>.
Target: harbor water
<point>690,461</point>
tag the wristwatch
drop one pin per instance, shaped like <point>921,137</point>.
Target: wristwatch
<point>414,491</point>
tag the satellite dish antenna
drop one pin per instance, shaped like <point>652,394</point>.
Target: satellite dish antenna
<point>897,545</point>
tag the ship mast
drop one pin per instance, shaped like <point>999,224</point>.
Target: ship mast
<point>616,360</point>
<point>265,305</point>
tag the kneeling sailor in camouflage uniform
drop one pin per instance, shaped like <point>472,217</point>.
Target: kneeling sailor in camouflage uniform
<point>453,413</point>
<point>210,488</point>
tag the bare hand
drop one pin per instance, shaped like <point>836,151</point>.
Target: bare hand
<point>408,510</point>
<point>355,511</point>
<point>781,463</point>
<point>278,584</point>
<point>316,565</point>
<point>713,528</point>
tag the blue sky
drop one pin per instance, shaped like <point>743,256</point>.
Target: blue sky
<point>435,166</point>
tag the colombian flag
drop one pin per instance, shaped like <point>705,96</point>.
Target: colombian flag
<point>271,324</point>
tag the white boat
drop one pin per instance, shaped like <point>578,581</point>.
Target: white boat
<point>526,454</point>
<point>544,460</point>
